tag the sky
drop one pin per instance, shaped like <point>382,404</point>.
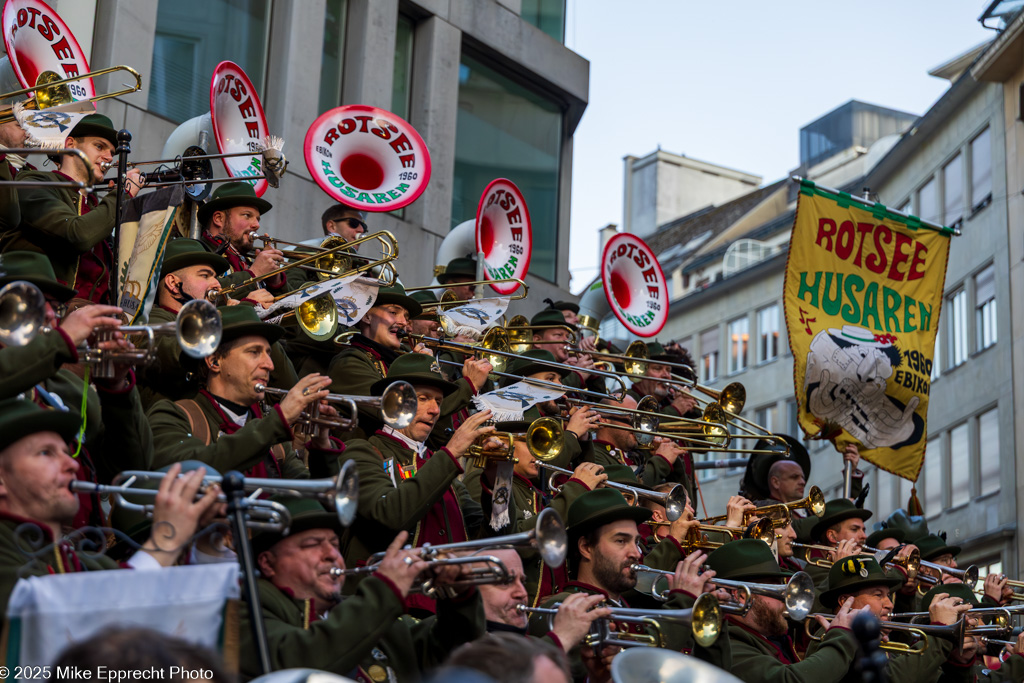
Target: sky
<point>732,83</point>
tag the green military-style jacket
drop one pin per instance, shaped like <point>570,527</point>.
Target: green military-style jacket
<point>755,659</point>
<point>1010,670</point>
<point>23,367</point>
<point>365,630</point>
<point>905,668</point>
<point>167,378</point>
<point>51,224</point>
<point>243,450</point>
<point>10,209</point>
<point>388,506</point>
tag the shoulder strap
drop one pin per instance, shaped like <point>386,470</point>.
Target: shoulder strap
<point>196,420</point>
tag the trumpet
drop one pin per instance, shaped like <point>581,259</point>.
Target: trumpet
<point>968,575</point>
<point>548,537</point>
<point>779,515</point>
<point>52,91</point>
<point>544,439</point>
<point>495,347</point>
<point>674,500</point>
<point>389,252</point>
<point>910,564</point>
<point>341,492</point>
<point>797,593</point>
<point>954,632</point>
<point>22,313</point>
<point>704,620</point>
<point>397,404</point>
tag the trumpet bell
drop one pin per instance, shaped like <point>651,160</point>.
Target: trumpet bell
<point>544,439</point>
<point>346,493</point>
<point>733,398</point>
<point>496,340</point>
<point>398,405</point>
<point>199,328</point>
<point>318,317</point>
<point>22,312</point>
<point>552,540</point>
<point>519,336</point>
<point>707,619</point>
<point>799,596</point>
<point>650,664</point>
<point>637,351</point>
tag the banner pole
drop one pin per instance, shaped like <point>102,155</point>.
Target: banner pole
<point>124,148</point>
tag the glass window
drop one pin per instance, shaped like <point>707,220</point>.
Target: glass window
<point>709,355</point>
<point>953,189</point>
<point>928,201</point>
<point>739,338</point>
<point>988,442</point>
<point>957,306</point>
<point>981,170</point>
<point>547,15</point>
<point>335,12</point>
<point>506,131</point>
<point>932,499</point>
<point>190,41</point>
<point>768,333</point>
<point>401,85</point>
<point>907,207</point>
<point>937,356</point>
<point>960,465</point>
<point>792,418</point>
<point>884,485</point>
<point>985,307</point>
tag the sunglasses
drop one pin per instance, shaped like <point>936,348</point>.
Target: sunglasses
<point>353,223</point>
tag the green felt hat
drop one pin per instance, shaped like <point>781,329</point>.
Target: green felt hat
<point>549,316</point>
<point>933,545</point>
<point>230,195</point>
<point>20,418</point>
<point>621,474</point>
<point>656,352</point>
<point>417,369</point>
<point>463,266</point>
<point>601,506</point>
<point>745,558</point>
<point>836,511</point>
<point>426,296</point>
<point>526,365</point>
<point>241,321</point>
<point>563,306</point>
<point>755,479</point>
<point>183,252</point>
<point>35,268</point>
<point>306,514</point>
<point>955,590</point>
<point>96,126</point>
<point>877,537</point>
<point>395,294</point>
<point>851,574</point>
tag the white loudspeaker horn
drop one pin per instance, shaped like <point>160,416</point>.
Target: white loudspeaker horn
<point>503,234</point>
<point>43,48</point>
<point>367,158</point>
<point>634,285</point>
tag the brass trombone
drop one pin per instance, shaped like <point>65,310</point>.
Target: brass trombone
<point>954,632</point>
<point>548,537</point>
<point>540,382</point>
<point>389,252</point>
<point>341,492</point>
<point>49,93</point>
<point>704,620</point>
<point>397,404</point>
<point>449,298</point>
<point>333,260</point>
<point>797,593</point>
<point>778,513</point>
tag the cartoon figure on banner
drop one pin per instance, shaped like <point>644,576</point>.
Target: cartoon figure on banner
<point>476,314</point>
<point>845,384</point>
<point>348,308</point>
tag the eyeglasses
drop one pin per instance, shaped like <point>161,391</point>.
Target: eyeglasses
<point>353,223</point>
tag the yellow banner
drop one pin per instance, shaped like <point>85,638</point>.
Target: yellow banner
<point>862,297</point>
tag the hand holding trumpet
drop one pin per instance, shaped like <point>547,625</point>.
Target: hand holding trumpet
<point>312,387</point>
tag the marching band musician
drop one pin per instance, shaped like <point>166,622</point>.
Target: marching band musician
<point>568,309</point>
<point>859,584</point>
<point>364,635</point>
<point>189,272</point>
<point>677,402</point>
<point>12,135</point>
<point>761,649</point>
<point>456,272</point>
<point>73,228</point>
<point>556,340</point>
<point>230,218</point>
<point>403,485</point>
<point>117,435</point>
<point>35,470</point>
<point>842,528</point>
<point>340,220</point>
<point>428,322</point>
<point>378,345</point>
<point>603,543</point>
<point>891,538</point>
<point>224,425</point>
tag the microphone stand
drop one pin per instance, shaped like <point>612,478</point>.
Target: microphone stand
<point>868,631</point>
<point>124,148</point>
<point>233,485</point>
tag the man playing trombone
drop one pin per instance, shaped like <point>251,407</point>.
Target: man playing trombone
<point>73,227</point>
<point>225,426</point>
<point>310,624</point>
<point>842,527</point>
<point>37,506</point>
<point>859,584</point>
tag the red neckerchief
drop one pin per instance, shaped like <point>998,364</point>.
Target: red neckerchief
<point>229,426</point>
<point>784,657</point>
